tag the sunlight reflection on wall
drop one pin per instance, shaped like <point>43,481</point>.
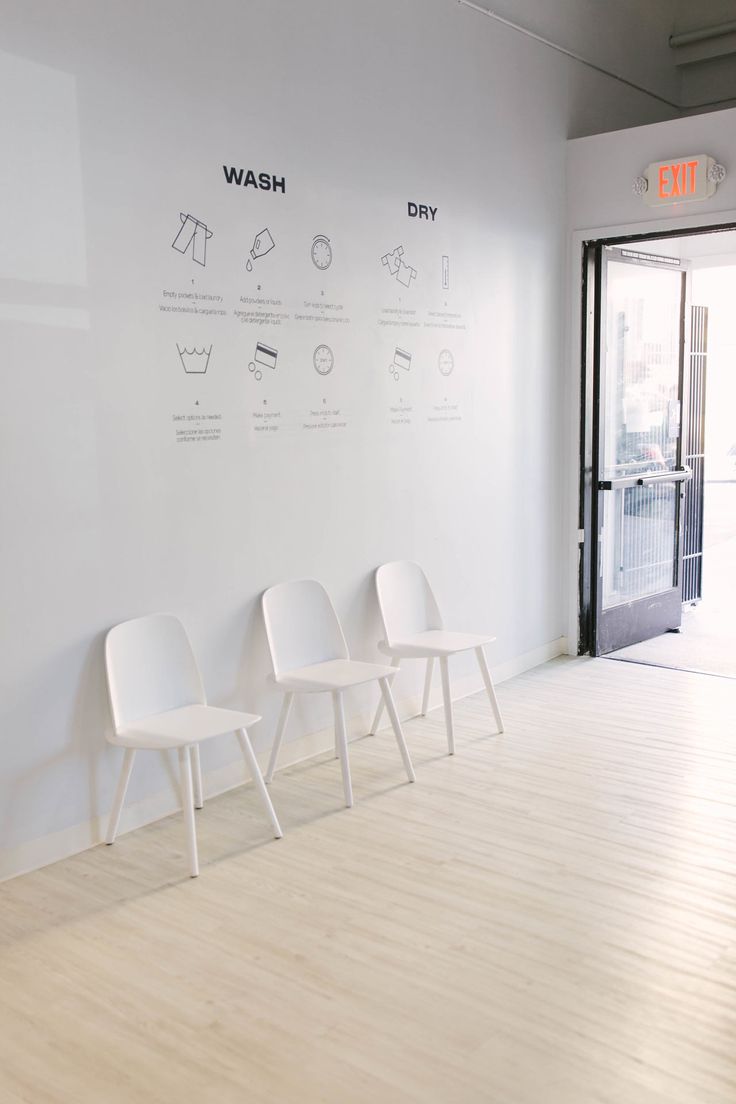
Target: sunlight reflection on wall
<point>39,137</point>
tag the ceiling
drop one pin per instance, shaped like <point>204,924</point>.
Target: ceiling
<point>707,66</point>
<point>639,41</point>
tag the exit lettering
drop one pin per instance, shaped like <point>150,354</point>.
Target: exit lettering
<point>678,180</point>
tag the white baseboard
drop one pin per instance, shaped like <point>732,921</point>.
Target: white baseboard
<point>79,837</point>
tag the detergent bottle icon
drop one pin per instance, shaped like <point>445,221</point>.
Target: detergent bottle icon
<point>263,243</point>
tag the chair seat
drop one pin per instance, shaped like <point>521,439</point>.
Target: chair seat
<point>179,727</point>
<point>434,643</point>
<point>334,674</point>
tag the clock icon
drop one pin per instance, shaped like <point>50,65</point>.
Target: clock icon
<point>323,359</point>
<point>446,362</point>
<point>321,252</point>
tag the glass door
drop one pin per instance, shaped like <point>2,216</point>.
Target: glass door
<point>640,476</point>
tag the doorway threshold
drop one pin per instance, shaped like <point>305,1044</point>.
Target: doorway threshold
<point>619,657</point>
<point>705,645</point>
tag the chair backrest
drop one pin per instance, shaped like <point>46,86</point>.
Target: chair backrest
<point>150,668</point>
<point>406,601</point>
<point>301,625</point>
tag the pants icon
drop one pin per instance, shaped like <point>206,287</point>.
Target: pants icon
<point>192,233</point>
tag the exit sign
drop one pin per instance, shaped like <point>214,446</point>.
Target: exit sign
<point>680,180</point>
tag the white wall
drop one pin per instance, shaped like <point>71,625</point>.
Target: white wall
<point>602,168</point>
<point>601,204</point>
<point>123,115</point>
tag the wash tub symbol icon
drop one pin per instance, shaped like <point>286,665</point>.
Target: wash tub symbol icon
<point>194,361</point>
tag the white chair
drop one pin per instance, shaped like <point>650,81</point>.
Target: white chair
<point>158,702</point>
<point>310,656</point>
<point>413,626</point>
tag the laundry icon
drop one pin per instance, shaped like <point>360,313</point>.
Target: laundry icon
<point>194,361</point>
<point>263,243</point>
<point>397,267</point>
<point>402,360</point>
<point>194,234</point>
<point>264,357</point>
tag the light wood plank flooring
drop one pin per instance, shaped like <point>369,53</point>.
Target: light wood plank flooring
<point>546,918</point>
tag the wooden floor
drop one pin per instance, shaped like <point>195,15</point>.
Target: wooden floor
<point>547,918</point>
<point>707,639</point>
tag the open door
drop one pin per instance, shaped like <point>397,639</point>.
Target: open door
<point>637,507</point>
<point>694,452</point>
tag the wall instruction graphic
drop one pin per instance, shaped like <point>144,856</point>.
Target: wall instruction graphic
<point>421,210</point>
<point>263,243</point>
<point>397,267</point>
<point>321,252</point>
<point>247,178</point>
<point>446,363</point>
<point>401,362</point>
<point>193,235</point>
<point>329,343</point>
<point>197,429</point>
<point>195,362</point>
<point>323,359</point>
<point>264,357</point>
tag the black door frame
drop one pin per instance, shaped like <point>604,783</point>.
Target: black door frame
<point>592,252</point>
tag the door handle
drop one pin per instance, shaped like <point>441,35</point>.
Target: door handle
<point>647,479</point>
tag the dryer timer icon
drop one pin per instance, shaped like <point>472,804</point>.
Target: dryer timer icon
<point>321,252</point>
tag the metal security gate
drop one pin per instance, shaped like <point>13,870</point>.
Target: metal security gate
<point>692,557</point>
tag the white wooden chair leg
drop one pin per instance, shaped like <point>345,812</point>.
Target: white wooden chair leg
<point>342,744</point>
<point>396,725</point>
<point>427,686</point>
<point>280,730</point>
<point>197,777</point>
<point>122,786</point>
<point>187,800</point>
<point>395,662</point>
<point>447,701</point>
<point>483,664</point>
<point>255,772</point>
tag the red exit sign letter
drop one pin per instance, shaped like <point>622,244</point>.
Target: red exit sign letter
<point>680,180</point>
